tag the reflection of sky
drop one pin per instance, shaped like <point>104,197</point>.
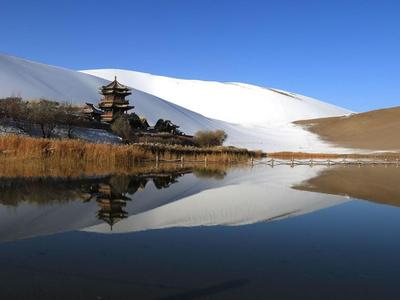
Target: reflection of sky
<point>349,251</point>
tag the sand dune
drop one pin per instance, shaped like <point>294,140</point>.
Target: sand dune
<point>374,130</point>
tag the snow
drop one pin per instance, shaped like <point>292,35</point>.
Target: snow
<point>253,117</point>
<point>231,102</point>
<point>7,129</point>
<point>27,79</point>
<point>92,135</point>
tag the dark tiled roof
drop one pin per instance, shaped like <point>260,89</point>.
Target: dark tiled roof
<point>115,85</point>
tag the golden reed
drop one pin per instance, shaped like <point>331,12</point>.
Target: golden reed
<point>27,156</point>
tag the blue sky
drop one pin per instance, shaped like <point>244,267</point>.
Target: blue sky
<point>344,52</point>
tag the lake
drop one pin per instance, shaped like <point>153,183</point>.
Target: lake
<point>203,233</point>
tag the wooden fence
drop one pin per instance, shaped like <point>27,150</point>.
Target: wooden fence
<point>328,162</point>
<point>286,162</point>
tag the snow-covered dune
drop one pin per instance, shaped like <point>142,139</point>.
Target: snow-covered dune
<point>231,101</point>
<point>253,117</point>
<point>255,196</point>
<point>28,79</point>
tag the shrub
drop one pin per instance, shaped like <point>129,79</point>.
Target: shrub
<point>210,138</point>
<point>167,126</point>
<point>12,108</point>
<point>136,122</point>
<point>122,127</point>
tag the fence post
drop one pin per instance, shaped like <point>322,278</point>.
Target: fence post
<point>157,159</point>
<point>205,161</point>
<point>182,160</point>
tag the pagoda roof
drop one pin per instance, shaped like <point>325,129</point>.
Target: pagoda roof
<point>115,85</point>
<point>91,108</point>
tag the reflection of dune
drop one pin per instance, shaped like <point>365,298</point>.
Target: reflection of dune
<point>244,196</point>
<point>378,184</point>
<point>231,205</point>
<point>264,195</point>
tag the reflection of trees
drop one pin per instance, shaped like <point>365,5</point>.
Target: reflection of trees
<point>109,192</point>
<point>215,173</point>
<point>43,191</point>
<point>165,181</point>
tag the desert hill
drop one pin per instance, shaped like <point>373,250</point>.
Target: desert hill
<point>373,130</point>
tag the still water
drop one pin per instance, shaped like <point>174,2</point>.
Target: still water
<point>203,233</point>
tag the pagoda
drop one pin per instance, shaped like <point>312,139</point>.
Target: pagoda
<point>113,103</point>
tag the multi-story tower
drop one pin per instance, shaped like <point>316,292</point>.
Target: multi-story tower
<point>113,103</point>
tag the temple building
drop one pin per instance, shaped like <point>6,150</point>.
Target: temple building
<point>112,104</point>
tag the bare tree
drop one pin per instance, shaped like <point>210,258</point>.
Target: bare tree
<point>45,114</point>
<point>70,116</point>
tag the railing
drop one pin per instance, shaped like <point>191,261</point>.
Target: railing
<point>328,162</point>
<point>284,162</point>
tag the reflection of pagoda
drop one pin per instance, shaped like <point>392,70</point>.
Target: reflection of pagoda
<point>110,194</point>
<point>111,205</point>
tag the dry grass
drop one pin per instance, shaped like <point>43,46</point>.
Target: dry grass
<point>27,156</point>
<point>19,148</point>
<point>216,154</point>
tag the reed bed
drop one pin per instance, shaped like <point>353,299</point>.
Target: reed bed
<point>21,147</point>
<point>27,156</point>
<point>217,154</point>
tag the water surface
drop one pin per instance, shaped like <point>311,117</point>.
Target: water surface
<point>237,233</point>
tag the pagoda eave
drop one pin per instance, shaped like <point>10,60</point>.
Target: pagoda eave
<point>122,93</point>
